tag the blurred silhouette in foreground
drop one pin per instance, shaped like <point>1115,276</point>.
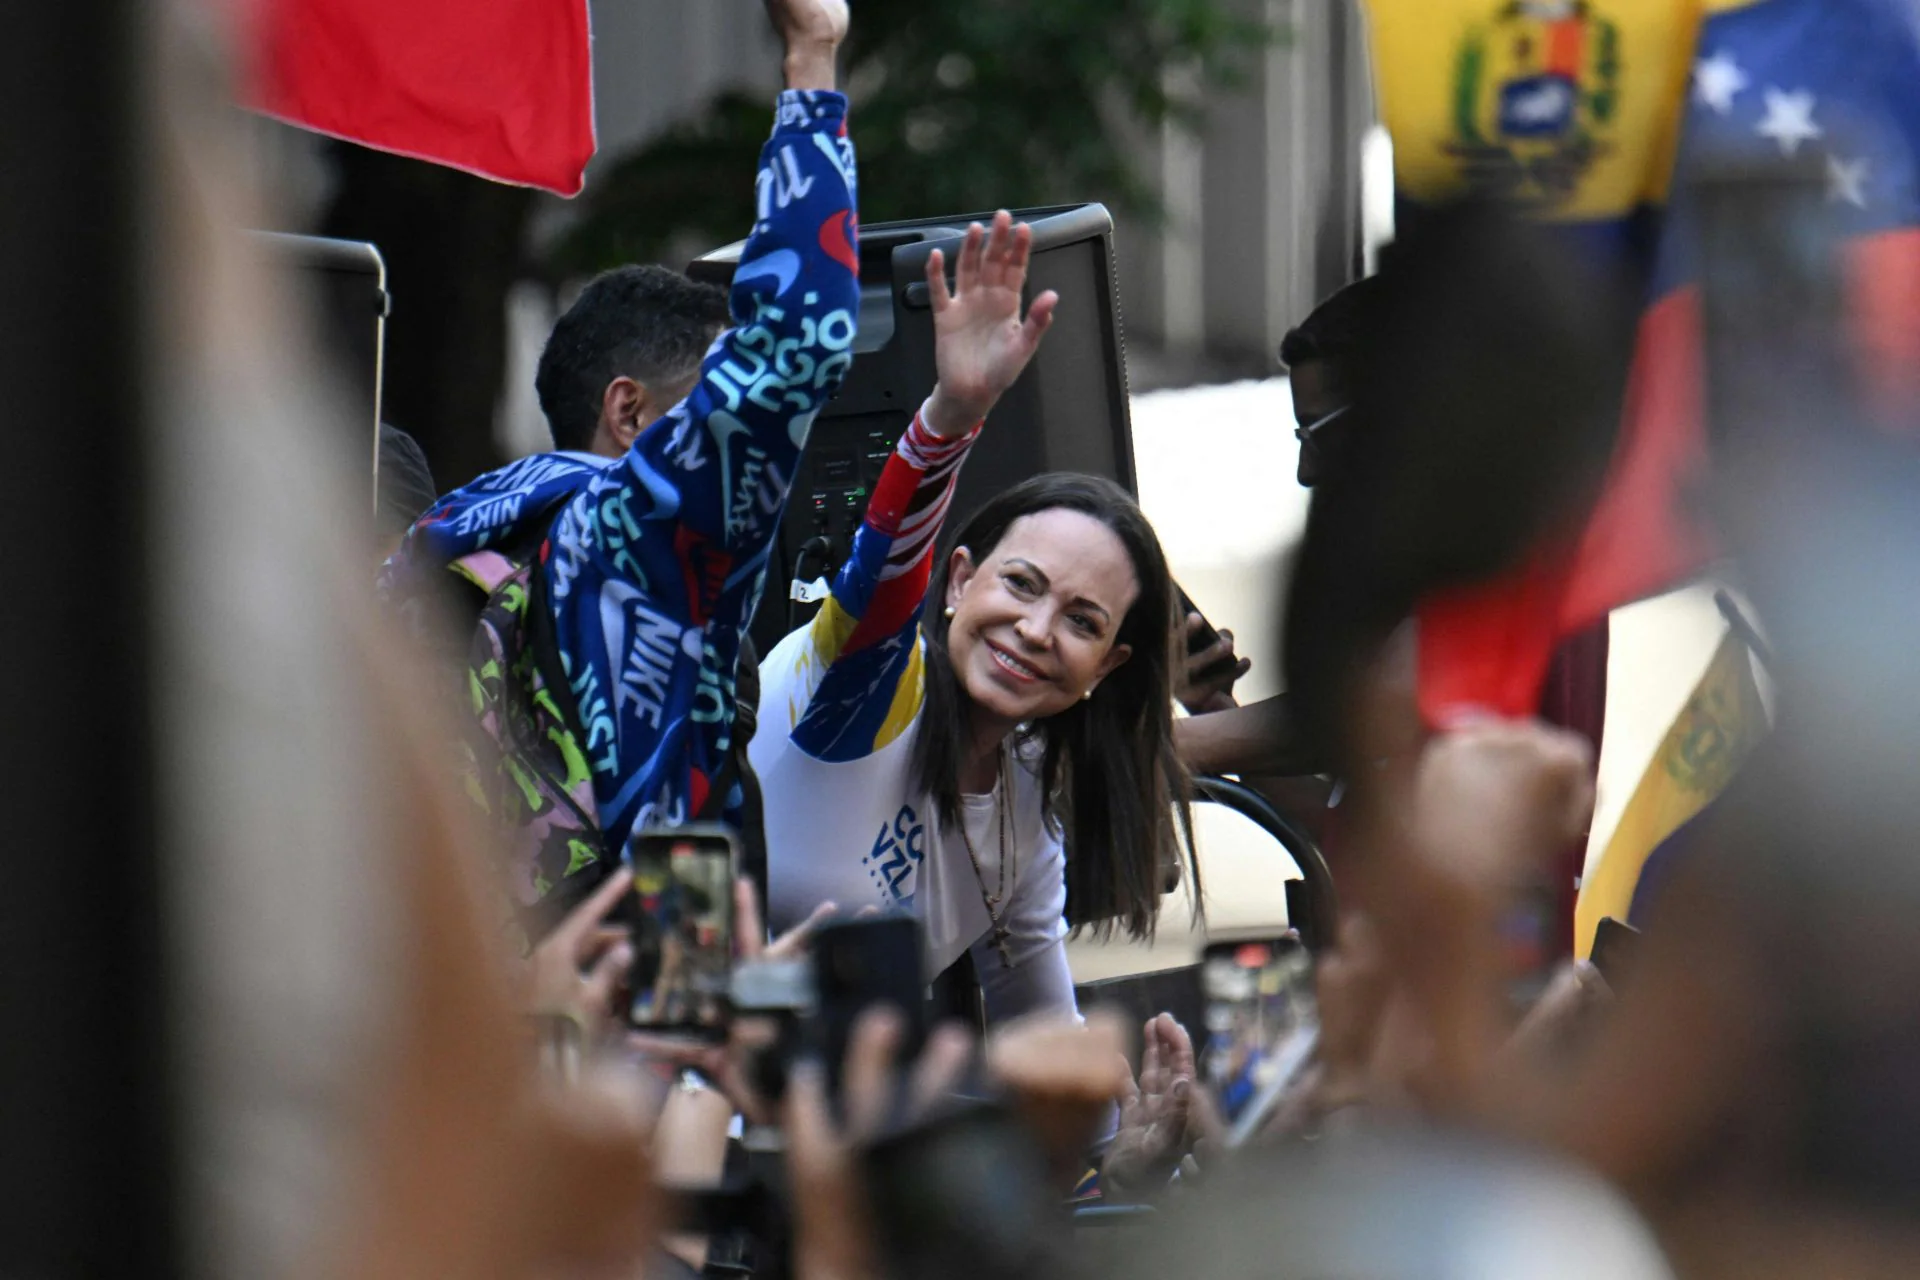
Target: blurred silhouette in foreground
<point>359,1099</point>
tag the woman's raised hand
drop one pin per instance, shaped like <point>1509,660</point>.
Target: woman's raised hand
<point>981,344</point>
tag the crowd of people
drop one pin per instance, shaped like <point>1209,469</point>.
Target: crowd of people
<point>977,733</point>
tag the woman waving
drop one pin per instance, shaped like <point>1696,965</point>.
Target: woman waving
<point>989,762</point>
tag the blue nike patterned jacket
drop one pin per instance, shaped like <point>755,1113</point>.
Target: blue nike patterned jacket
<point>651,564</point>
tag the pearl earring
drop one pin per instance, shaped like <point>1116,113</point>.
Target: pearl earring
<point>949,611</point>
<point>1087,696</point>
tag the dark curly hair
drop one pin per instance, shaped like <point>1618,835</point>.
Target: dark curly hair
<point>1332,332</point>
<point>646,323</point>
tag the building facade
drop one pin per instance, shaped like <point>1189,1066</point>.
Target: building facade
<point>1263,202</point>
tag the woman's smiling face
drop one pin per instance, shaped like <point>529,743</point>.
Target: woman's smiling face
<point>1035,622</point>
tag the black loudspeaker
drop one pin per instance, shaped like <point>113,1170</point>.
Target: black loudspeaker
<point>346,281</point>
<point>1068,412</point>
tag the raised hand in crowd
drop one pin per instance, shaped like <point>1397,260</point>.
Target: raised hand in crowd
<point>1493,796</point>
<point>1065,1078</point>
<point>717,1080</point>
<point>811,32</point>
<point>981,344</point>
<point>1454,839</point>
<point>577,970</point>
<point>833,1226</point>
<point>729,1067</point>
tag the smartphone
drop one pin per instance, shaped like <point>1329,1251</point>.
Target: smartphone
<point>1261,1026</point>
<point>858,964</point>
<point>681,915</point>
<point>1614,945</point>
<point>1202,639</point>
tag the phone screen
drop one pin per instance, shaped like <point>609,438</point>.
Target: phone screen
<point>683,927</point>
<point>1259,1012</point>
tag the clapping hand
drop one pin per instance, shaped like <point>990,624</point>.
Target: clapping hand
<point>981,344</point>
<point>1156,1114</point>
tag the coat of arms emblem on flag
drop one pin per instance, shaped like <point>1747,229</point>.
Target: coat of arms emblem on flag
<point>1536,98</point>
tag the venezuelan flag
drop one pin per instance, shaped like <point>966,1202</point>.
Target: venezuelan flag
<point>1592,113</point>
<point>1712,737</point>
<point>1573,109</point>
<point>1778,79</point>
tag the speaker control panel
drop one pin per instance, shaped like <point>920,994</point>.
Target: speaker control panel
<point>838,471</point>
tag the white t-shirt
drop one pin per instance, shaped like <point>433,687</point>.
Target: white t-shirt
<point>841,705</point>
<point>858,833</point>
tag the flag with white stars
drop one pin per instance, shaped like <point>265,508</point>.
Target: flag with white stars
<point>1834,82</point>
<point>1835,79</point>
<point>1781,81</point>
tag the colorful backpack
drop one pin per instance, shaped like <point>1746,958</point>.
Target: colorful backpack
<point>521,760</point>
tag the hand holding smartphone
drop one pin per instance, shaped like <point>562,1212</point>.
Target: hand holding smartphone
<point>858,964</point>
<point>1201,639</point>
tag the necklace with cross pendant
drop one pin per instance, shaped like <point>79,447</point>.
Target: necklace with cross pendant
<point>1000,940</point>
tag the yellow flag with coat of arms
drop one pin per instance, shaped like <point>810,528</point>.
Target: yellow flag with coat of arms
<point>1718,728</point>
<point>1572,106</point>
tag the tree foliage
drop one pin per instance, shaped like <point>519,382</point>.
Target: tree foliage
<point>956,107</point>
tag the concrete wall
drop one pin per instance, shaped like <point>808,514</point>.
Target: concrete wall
<point>654,61</point>
<point>1263,205</point>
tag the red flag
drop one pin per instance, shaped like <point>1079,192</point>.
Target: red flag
<point>503,89</point>
<point>1883,277</point>
<point>1489,645</point>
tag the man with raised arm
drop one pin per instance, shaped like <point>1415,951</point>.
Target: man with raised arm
<point>619,581</point>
